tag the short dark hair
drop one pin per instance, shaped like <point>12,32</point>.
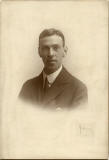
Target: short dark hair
<point>50,32</point>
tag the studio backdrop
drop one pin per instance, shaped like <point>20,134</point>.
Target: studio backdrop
<point>28,132</point>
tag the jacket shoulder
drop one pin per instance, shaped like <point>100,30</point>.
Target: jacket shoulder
<point>81,93</point>
<point>30,82</point>
<point>28,88</point>
<point>77,88</point>
<point>74,81</point>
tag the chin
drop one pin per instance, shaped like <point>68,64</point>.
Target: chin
<point>51,69</point>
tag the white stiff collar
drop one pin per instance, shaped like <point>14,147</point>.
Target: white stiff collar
<point>51,77</point>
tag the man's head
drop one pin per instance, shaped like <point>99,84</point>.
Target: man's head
<point>52,49</point>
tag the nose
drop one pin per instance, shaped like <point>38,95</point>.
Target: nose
<point>51,53</point>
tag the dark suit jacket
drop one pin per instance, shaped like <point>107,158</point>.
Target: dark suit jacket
<point>67,91</point>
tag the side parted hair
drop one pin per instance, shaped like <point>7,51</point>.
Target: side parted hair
<point>50,32</point>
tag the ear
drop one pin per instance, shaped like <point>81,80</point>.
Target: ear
<point>39,52</point>
<point>65,51</point>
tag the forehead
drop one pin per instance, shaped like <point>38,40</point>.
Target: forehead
<point>51,40</point>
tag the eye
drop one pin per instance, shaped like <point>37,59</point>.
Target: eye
<point>44,48</point>
<point>55,47</point>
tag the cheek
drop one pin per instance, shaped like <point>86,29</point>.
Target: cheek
<point>44,59</point>
<point>60,55</point>
<point>43,53</point>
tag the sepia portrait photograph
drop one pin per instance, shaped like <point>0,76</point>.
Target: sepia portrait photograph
<point>54,79</point>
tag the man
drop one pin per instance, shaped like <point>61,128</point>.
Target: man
<point>54,87</point>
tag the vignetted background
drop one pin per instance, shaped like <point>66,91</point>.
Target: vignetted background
<point>27,131</point>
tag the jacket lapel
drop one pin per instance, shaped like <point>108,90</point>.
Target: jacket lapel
<point>39,88</point>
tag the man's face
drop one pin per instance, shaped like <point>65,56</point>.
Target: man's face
<point>52,51</point>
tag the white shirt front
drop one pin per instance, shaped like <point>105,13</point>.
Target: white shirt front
<point>51,77</point>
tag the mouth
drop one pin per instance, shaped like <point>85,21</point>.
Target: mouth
<point>51,61</point>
